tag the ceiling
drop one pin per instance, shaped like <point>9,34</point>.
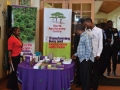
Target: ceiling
<point>109,6</point>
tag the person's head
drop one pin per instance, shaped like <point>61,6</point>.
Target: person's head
<point>104,26</point>
<point>80,28</point>
<point>88,22</point>
<point>81,21</point>
<point>98,25</point>
<point>15,31</point>
<point>110,24</point>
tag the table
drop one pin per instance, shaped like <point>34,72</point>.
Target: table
<point>45,79</point>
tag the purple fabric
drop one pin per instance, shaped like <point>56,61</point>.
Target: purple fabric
<point>44,79</point>
<point>27,60</point>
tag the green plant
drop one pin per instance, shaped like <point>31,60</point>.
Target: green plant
<point>25,19</point>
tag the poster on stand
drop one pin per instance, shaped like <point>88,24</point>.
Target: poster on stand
<point>57,32</point>
<point>24,17</point>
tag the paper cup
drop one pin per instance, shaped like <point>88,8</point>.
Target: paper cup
<point>30,58</point>
<point>21,54</point>
<point>36,58</point>
<point>45,57</point>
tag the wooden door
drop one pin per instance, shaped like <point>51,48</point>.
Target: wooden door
<point>80,9</point>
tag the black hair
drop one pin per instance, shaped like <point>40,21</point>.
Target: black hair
<point>13,29</point>
<point>81,20</point>
<point>88,20</point>
<point>80,27</point>
<point>103,25</point>
<point>109,21</point>
<point>98,25</point>
<point>10,31</point>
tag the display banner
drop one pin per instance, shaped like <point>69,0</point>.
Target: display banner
<point>24,17</point>
<point>57,32</point>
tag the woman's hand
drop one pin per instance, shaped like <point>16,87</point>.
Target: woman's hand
<point>10,61</point>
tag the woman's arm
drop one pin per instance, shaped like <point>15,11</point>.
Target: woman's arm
<point>10,56</point>
<point>10,45</point>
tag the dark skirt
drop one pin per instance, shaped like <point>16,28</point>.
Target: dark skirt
<point>16,61</point>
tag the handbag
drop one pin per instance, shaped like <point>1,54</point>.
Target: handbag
<point>6,62</point>
<point>13,80</point>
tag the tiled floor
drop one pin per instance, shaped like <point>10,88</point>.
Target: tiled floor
<point>3,84</point>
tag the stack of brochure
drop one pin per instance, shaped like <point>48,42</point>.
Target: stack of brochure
<point>67,61</point>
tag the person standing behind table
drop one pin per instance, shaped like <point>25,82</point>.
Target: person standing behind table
<point>97,42</point>
<point>85,55</point>
<point>113,37</point>
<point>104,54</point>
<point>14,49</point>
<point>119,50</point>
<point>76,41</point>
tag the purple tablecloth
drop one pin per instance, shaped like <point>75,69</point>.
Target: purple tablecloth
<point>44,79</point>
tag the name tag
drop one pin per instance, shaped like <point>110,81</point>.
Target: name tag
<point>115,34</point>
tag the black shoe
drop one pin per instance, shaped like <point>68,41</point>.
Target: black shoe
<point>114,74</point>
<point>8,76</point>
<point>74,82</point>
<point>102,77</point>
<point>15,88</point>
<point>108,74</point>
<point>78,85</point>
<point>94,89</point>
<point>91,86</point>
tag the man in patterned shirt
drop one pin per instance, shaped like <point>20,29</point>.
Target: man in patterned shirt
<point>85,55</point>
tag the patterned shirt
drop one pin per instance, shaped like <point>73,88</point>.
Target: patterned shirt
<point>84,50</point>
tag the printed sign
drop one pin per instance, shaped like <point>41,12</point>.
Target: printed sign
<point>57,32</point>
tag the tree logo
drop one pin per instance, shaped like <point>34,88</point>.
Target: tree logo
<point>57,15</point>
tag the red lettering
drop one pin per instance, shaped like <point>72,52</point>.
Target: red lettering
<point>29,44</point>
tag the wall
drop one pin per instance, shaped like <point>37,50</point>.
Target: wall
<point>2,38</point>
<point>97,6</point>
<point>114,16</point>
<point>36,3</point>
<point>3,72</point>
<point>101,15</point>
<point>2,19</point>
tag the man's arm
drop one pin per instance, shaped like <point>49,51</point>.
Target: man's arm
<point>76,54</point>
<point>118,34</point>
<point>100,43</point>
<point>88,45</point>
<point>109,36</point>
<point>10,45</point>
